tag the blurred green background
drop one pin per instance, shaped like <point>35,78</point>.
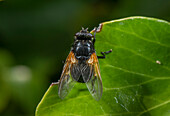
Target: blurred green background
<point>35,36</point>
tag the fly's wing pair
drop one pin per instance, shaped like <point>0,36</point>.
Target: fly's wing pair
<point>67,81</point>
<point>89,72</point>
<point>92,78</point>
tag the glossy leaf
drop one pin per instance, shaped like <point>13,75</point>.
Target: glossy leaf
<point>135,76</point>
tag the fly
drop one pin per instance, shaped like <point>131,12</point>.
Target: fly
<point>82,66</point>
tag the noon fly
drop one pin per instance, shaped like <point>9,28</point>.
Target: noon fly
<point>82,66</point>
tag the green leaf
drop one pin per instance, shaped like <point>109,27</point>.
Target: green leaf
<point>135,76</point>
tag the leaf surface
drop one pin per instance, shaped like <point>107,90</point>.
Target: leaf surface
<point>135,76</point>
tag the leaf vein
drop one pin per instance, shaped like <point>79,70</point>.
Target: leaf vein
<point>139,84</point>
<point>154,107</point>
<point>143,38</point>
<point>134,52</point>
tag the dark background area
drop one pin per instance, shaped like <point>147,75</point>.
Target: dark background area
<point>35,36</point>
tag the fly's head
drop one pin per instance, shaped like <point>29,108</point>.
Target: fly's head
<point>84,34</point>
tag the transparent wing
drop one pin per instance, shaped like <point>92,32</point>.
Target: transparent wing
<point>91,75</point>
<point>69,76</point>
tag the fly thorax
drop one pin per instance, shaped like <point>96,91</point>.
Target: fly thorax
<point>83,50</point>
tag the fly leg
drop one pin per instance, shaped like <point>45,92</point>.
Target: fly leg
<point>103,54</point>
